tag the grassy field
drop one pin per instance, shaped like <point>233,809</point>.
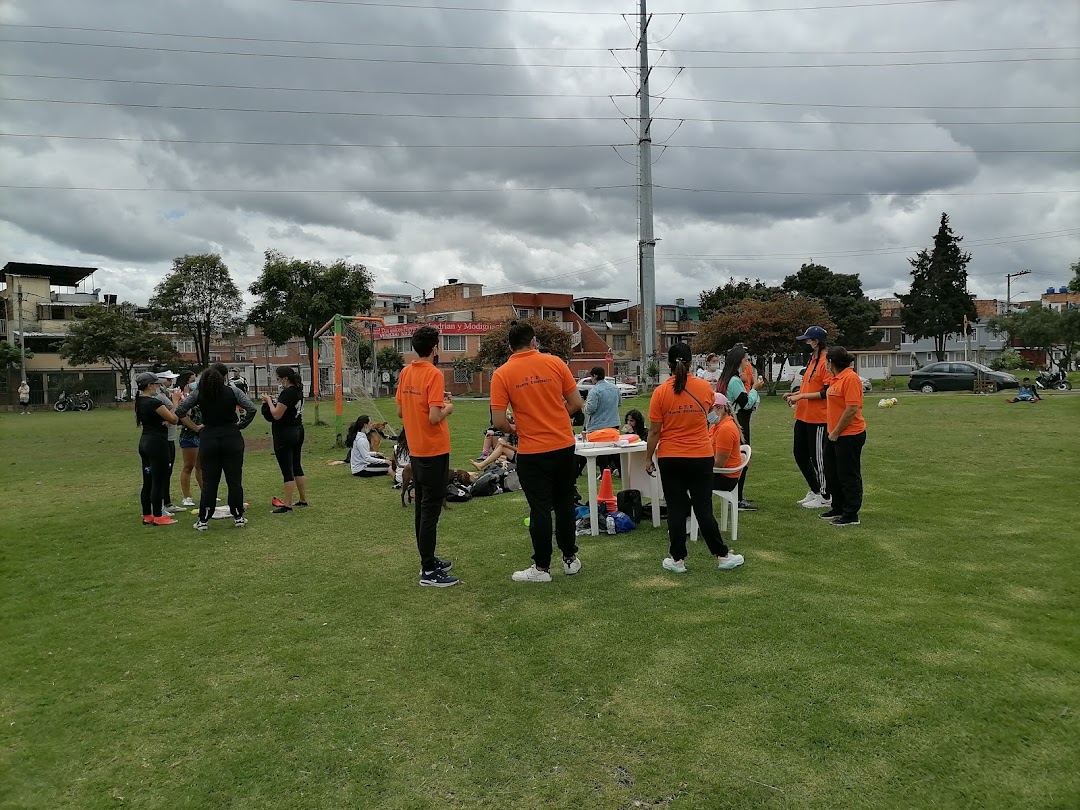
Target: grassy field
<point>928,658</point>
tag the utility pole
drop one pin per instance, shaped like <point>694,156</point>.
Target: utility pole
<point>646,240</point>
<point>1008,288</point>
<point>22,337</point>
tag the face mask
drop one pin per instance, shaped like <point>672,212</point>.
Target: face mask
<point>714,366</point>
<point>714,417</point>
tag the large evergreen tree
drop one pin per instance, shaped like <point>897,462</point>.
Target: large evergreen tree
<point>198,299</point>
<point>842,296</point>
<point>938,300</point>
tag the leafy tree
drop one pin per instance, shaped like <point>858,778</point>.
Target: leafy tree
<point>1036,327</point>
<point>10,356</point>
<point>1074,284</point>
<point>712,301</point>
<point>470,365</point>
<point>296,297</point>
<point>842,296</point>
<point>1070,333</point>
<point>938,300</point>
<point>198,299</point>
<point>495,346</point>
<point>767,328</point>
<point>114,336</point>
<point>390,360</point>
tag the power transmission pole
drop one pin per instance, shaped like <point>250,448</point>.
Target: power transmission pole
<point>22,337</point>
<point>1008,288</point>
<point>646,241</point>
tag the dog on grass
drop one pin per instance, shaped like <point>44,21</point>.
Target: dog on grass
<point>408,489</point>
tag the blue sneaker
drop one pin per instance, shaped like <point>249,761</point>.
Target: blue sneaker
<point>443,565</point>
<point>437,579</point>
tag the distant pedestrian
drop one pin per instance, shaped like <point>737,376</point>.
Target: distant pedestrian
<point>423,404</point>
<point>154,417</point>
<point>811,420</point>
<point>542,392</point>
<point>287,429</point>
<point>847,437</point>
<point>24,397</point>
<point>221,447</point>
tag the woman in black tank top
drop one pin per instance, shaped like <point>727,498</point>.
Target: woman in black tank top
<point>221,447</point>
<point>152,415</point>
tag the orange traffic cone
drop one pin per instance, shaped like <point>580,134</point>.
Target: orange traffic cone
<point>606,495</point>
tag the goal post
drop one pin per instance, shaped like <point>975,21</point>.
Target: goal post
<point>342,336</point>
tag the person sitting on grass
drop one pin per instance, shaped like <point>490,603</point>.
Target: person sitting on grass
<point>364,461</point>
<point>1027,392</point>
<point>504,449</point>
<point>400,458</point>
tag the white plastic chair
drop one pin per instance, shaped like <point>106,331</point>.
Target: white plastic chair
<point>729,501</point>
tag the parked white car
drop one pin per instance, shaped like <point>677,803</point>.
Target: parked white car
<point>796,381</point>
<point>625,389</point>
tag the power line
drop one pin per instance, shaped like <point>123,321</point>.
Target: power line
<point>110,138</point>
<point>463,116</point>
<point>369,59</point>
<point>450,94</point>
<point>617,13</point>
<point>869,193</point>
<point>871,53</point>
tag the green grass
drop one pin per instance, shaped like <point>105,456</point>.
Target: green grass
<point>927,658</point>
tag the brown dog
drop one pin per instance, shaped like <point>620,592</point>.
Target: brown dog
<point>408,491</point>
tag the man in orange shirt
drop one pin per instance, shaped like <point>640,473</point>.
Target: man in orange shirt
<point>809,442</point>
<point>423,405</point>
<point>847,436</point>
<point>542,392</point>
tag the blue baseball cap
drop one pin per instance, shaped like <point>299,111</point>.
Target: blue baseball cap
<point>814,333</point>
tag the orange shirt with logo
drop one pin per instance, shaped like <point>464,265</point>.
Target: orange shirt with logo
<point>726,440</point>
<point>534,385</point>
<point>421,388</point>
<point>814,410</point>
<point>684,420</point>
<point>846,390</point>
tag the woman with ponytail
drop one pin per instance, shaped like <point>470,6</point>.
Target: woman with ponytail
<point>679,436</point>
<point>287,427</point>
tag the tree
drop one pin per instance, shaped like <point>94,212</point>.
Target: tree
<point>390,360</point>
<point>10,356</point>
<point>198,299</point>
<point>1036,327</point>
<point>114,336</point>
<point>938,300</point>
<point>1074,283</point>
<point>1070,334</point>
<point>767,328</point>
<point>712,301</point>
<point>468,365</point>
<point>296,297</point>
<point>842,296</point>
<point>495,346</point>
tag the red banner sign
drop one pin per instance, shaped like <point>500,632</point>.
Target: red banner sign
<point>402,330</point>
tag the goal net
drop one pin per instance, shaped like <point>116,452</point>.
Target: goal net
<point>348,371</point>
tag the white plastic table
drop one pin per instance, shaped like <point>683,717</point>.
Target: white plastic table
<point>633,474</point>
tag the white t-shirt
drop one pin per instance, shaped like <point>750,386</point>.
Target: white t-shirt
<point>710,376</point>
<point>361,457</point>
<point>24,393</point>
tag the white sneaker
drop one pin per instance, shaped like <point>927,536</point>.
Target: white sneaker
<point>809,496</point>
<point>201,526</point>
<point>172,508</point>
<point>187,502</point>
<point>532,574</point>
<point>817,502</point>
<point>240,522</point>
<point>732,560</point>
<point>675,566</point>
<point>572,567</point>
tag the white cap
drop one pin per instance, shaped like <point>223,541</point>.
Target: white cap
<point>167,375</point>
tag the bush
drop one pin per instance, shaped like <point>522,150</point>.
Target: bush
<point>1008,360</point>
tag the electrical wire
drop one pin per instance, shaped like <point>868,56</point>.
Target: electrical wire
<point>369,3</point>
<point>869,193</point>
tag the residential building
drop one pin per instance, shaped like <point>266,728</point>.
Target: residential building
<point>1060,299</point>
<point>675,323</point>
<point>51,297</point>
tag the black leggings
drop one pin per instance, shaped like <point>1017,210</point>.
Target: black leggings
<point>808,447</point>
<point>288,442</point>
<point>168,477</point>
<point>154,456</point>
<point>743,418</point>
<point>221,452</point>
<point>687,484</point>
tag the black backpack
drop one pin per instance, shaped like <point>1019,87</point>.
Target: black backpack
<point>456,493</point>
<point>629,501</point>
<point>490,483</point>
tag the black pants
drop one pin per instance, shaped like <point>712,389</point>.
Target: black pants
<point>843,471</point>
<point>154,456</point>
<point>288,442</point>
<point>808,448</point>
<point>547,479</point>
<point>687,483</point>
<point>743,418</point>
<point>168,477</point>
<point>724,483</point>
<point>430,476</point>
<point>221,452</point>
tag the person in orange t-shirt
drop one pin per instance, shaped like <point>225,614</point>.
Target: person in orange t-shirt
<point>808,446</point>
<point>847,436</point>
<point>423,405</point>
<point>679,436</point>
<point>727,443</point>
<point>543,393</point>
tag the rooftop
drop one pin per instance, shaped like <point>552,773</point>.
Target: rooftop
<point>60,275</point>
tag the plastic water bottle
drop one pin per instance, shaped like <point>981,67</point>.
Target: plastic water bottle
<point>610,524</point>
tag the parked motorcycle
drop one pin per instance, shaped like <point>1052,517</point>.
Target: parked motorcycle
<point>79,401</point>
<point>1055,380</point>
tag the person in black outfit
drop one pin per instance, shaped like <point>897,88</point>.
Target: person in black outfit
<point>287,425</point>
<point>221,447</point>
<point>153,415</point>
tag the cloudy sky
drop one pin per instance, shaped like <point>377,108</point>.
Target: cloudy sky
<point>498,145</point>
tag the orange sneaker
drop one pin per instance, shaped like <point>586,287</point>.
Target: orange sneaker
<point>147,520</point>
<point>164,520</point>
